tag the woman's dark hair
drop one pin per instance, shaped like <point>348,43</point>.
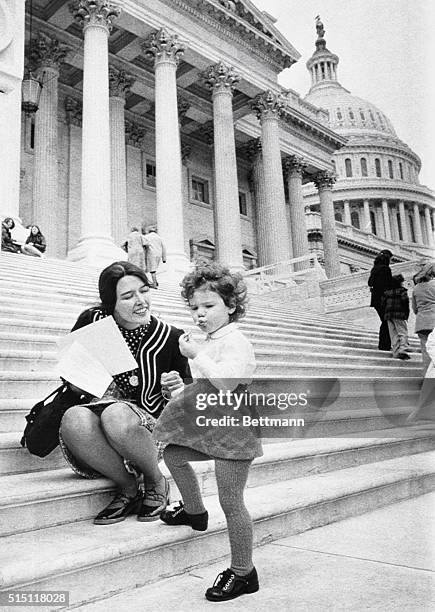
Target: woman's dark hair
<point>381,260</point>
<point>9,219</point>
<point>37,227</point>
<point>109,279</point>
<point>229,285</point>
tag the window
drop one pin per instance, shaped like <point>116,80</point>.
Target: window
<point>243,206</point>
<point>199,190</point>
<point>371,116</point>
<point>348,165</point>
<point>351,115</point>
<point>411,227</point>
<point>390,169</point>
<point>361,114</point>
<point>401,170</point>
<point>339,115</point>
<point>364,167</point>
<point>150,173</point>
<point>378,167</point>
<point>338,216</point>
<point>399,226</point>
<point>373,221</point>
<point>354,218</point>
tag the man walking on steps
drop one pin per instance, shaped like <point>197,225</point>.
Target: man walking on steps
<point>155,251</point>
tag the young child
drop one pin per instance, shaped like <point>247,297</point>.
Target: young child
<point>396,303</point>
<point>216,298</point>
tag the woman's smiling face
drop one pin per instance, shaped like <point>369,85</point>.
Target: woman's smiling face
<point>132,307</point>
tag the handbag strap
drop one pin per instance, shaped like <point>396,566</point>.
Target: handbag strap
<point>56,391</point>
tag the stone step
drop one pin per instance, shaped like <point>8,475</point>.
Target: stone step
<point>27,360</point>
<point>280,369</point>
<point>52,497</point>
<point>92,561</point>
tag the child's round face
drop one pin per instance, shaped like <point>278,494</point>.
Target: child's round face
<point>209,311</point>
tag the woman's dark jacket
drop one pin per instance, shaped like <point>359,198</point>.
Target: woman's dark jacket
<point>7,243</point>
<point>38,242</point>
<point>158,352</point>
<point>380,279</point>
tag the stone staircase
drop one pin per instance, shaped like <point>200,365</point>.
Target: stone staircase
<point>356,458</point>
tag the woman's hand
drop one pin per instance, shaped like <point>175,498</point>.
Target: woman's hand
<point>188,347</point>
<point>170,382</point>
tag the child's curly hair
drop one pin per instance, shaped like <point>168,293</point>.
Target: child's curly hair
<point>213,276</point>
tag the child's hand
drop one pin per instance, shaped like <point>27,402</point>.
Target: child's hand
<point>188,347</point>
<point>171,381</point>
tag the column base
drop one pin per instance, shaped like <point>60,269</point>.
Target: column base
<point>97,251</point>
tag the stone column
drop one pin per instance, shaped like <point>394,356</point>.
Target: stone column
<point>394,225</point>
<point>12,34</point>
<point>294,168</point>
<point>119,86</point>
<point>367,220</point>
<point>347,217</point>
<point>403,223</point>
<point>222,79</point>
<point>386,216</point>
<point>417,224</point>
<point>253,153</point>
<point>324,182</point>
<point>269,107</point>
<point>73,115</point>
<point>47,55</point>
<point>166,50</point>
<point>96,245</point>
<point>429,231</point>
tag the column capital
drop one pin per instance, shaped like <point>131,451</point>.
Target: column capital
<point>161,45</point>
<point>268,104</point>
<point>119,82</point>
<point>220,77</point>
<point>47,52</point>
<point>73,111</point>
<point>324,179</point>
<point>252,149</point>
<point>100,13</point>
<point>293,166</point>
<point>134,134</point>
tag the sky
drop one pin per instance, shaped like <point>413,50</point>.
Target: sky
<point>387,56</point>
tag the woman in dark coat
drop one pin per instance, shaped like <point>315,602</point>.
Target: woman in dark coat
<point>381,279</point>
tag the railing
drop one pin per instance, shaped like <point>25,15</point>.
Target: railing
<point>284,274</point>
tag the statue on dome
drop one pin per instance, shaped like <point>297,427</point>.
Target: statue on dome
<point>319,27</point>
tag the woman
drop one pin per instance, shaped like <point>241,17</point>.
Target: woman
<point>35,243</point>
<point>135,248</point>
<point>108,436</point>
<point>380,279</point>
<point>8,244</point>
<point>423,305</point>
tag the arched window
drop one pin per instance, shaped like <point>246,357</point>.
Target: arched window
<point>401,170</point>
<point>378,167</point>
<point>364,167</point>
<point>373,221</point>
<point>339,115</point>
<point>354,218</point>
<point>390,169</point>
<point>338,216</point>
<point>361,113</point>
<point>348,165</point>
<point>351,115</point>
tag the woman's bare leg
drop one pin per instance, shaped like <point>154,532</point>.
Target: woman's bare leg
<point>84,437</point>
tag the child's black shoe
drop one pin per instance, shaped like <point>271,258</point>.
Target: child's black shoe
<point>229,586</point>
<point>178,516</point>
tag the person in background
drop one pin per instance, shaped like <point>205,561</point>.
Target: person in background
<point>380,280</point>
<point>155,252</point>
<point>135,250</point>
<point>8,244</point>
<point>396,306</point>
<point>36,244</point>
<point>423,305</point>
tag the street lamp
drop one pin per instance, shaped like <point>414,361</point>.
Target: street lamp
<point>31,87</point>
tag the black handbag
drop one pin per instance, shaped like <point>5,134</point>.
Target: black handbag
<point>41,435</point>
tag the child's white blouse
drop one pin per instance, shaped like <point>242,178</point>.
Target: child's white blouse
<point>226,358</point>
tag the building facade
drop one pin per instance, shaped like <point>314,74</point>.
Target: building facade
<point>378,199</point>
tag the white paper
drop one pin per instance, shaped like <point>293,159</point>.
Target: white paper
<point>81,368</point>
<point>104,342</point>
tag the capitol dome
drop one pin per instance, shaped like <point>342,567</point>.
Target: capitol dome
<point>378,200</point>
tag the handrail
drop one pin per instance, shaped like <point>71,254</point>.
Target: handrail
<point>283,275</point>
<point>286,262</point>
